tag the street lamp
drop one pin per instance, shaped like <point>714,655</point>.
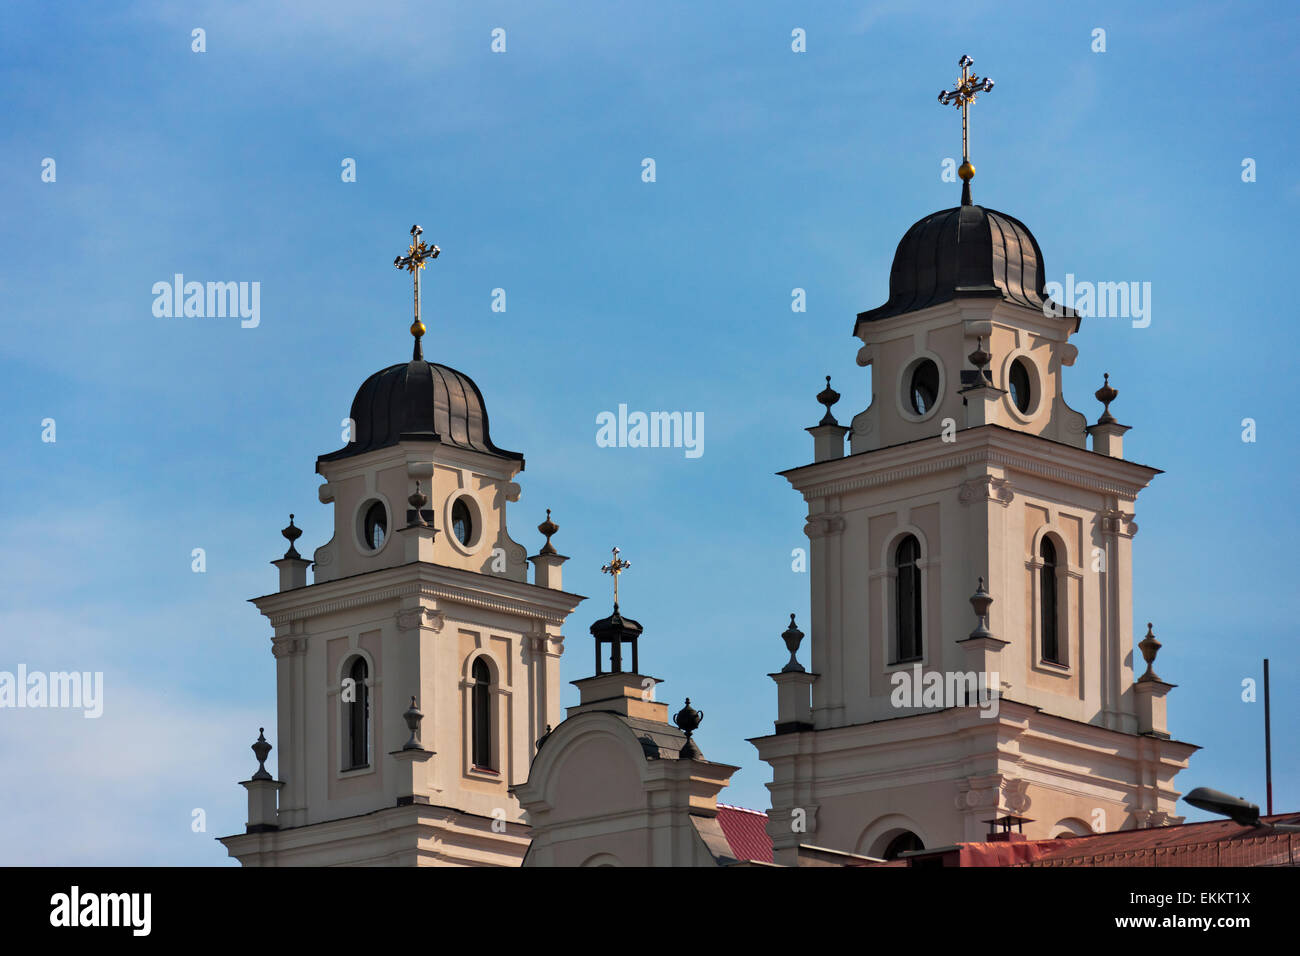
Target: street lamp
<point>1236,809</point>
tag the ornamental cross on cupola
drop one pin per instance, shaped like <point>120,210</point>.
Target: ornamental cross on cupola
<point>615,568</point>
<point>414,260</point>
<point>962,95</point>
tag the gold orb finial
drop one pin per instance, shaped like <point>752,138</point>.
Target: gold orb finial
<point>966,171</point>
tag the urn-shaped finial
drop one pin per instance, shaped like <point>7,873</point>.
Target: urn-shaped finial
<point>793,637</point>
<point>980,602</point>
<point>828,397</point>
<point>261,750</point>
<point>413,718</point>
<point>292,533</point>
<point>687,720</point>
<point>548,528</point>
<point>1106,395</point>
<point>417,500</point>
<point>1149,647</point>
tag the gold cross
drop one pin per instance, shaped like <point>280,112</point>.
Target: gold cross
<point>413,262</point>
<point>962,95</point>
<point>615,568</point>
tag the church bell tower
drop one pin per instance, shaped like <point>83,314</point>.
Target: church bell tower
<point>971,574</point>
<point>418,669</point>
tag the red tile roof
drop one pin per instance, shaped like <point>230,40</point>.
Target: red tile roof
<point>746,832</point>
<point>1212,843</point>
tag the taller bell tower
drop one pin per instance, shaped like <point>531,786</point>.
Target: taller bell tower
<point>418,669</point>
<point>971,574</point>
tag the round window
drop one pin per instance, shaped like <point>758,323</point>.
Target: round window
<point>1018,383</point>
<point>374,527</point>
<point>462,522</point>
<point>923,389</point>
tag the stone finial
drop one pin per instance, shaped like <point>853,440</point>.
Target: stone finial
<point>793,637</point>
<point>548,528</point>
<point>1149,647</point>
<point>1106,395</point>
<point>262,750</point>
<point>828,397</point>
<point>980,601</point>
<point>293,534</point>
<point>980,357</point>
<point>413,718</point>
<point>417,501</point>
<point>687,720</point>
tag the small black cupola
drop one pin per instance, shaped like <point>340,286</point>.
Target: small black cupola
<point>616,630</point>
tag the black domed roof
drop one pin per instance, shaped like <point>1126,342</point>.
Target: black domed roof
<point>967,250</point>
<point>419,401</point>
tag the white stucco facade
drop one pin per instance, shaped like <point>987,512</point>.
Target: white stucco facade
<point>419,611</point>
<point>978,482</point>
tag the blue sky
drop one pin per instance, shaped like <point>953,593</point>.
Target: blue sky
<point>775,170</point>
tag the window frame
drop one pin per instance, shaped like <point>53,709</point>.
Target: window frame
<point>914,578</point>
<point>1039,382</point>
<point>1049,602</point>
<point>477,520</point>
<point>1067,624</point>
<point>481,722</point>
<point>362,705</point>
<point>903,390</point>
<point>362,509</point>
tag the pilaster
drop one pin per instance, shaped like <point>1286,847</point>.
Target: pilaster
<point>824,530</point>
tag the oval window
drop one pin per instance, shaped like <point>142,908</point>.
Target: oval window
<point>462,522</point>
<point>923,389</point>
<point>1018,383</point>
<point>375,526</point>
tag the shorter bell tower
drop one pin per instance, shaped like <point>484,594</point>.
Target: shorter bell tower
<point>417,670</point>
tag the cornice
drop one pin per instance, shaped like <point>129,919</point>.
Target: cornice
<point>423,580</point>
<point>988,445</point>
<point>417,453</point>
<point>1014,719</point>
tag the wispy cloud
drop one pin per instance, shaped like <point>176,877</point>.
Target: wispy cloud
<point>121,790</point>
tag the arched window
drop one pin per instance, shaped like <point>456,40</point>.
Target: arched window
<point>907,608</point>
<point>357,715</point>
<point>481,713</point>
<point>1047,601</point>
